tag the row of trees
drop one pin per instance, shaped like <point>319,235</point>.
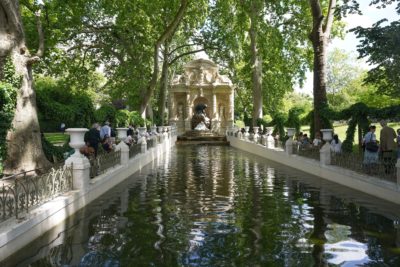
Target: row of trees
<point>265,46</point>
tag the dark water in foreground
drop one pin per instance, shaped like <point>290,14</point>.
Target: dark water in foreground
<point>218,206</point>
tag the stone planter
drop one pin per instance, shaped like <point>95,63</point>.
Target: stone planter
<point>327,134</point>
<point>122,133</point>
<point>142,131</point>
<point>76,138</point>
<point>290,132</point>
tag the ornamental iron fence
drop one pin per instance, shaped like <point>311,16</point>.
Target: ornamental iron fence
<point>307,151</point>
<point>20,194</point>
<point>134,150</point>
<point>382,166</point>
<point>103,162</point>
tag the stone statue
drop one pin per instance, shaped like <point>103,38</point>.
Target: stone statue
<point>200,121</point>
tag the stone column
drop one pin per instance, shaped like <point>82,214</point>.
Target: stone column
<point>214,106</point>
<point>143,145</point>
<point>231,108</point>
<point>124,152</point>
<point>325,151</point>
<point>289,142</point>
<point>188,114</point>
<point>80,164</point>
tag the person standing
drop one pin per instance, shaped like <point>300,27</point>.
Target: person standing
<point>105,130</point>
<point>336,145</point>
<point>371,149</point>
<point>62,127</point>
<point>387,145</point>
<point>93,137</point>
<point>130,130</point>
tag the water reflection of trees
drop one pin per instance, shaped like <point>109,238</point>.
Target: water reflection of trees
<point>221,207</point>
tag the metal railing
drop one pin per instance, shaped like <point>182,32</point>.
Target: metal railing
<point>134,149</point>
<point>20,194</point>
<point>152,142</point>
<point>103,162</point>
<point>307,151</point>
<point>379,166</point>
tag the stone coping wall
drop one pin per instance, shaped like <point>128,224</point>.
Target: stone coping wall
<point>383,189</point>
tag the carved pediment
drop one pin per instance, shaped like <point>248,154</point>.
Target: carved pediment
<point>200,72</point>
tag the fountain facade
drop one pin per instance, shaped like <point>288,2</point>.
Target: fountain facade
<point>201,85</point>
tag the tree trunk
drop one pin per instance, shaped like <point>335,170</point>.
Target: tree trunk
<point>319,37</point>
<point>164,83</point>
<point>256,65</point>
<point>320,99</point>
<point>24,145</point>
<point>168,33</point>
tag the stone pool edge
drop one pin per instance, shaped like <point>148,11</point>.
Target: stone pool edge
<point>364,183</point>
<point>15,234</point>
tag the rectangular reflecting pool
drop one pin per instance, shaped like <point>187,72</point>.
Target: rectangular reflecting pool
<point>219,206</point>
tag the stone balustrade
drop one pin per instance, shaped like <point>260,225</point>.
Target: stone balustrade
<point>324,157</point>
<point>81,166</point>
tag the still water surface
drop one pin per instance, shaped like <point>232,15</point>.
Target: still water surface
<point>218,206</point>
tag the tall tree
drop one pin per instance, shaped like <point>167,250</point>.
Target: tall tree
<point>278,30</point>
<point>167,33</point>
<point>24,146</point>
<point>380,45</point>
<point>256,60</point>
<point>320,36</point>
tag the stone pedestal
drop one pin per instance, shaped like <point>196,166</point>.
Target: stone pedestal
<point>124,152</point>
<point>289,143</point>
<point>325,151</point>
<point>80,164</point>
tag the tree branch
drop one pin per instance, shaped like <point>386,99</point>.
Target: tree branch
<point>329,18</point>
<point>40,50</point>
<point>180,47</point>
<point>190,52</point>
<point>169,31</point>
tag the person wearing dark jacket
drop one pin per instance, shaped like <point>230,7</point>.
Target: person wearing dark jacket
<point>92,137</point>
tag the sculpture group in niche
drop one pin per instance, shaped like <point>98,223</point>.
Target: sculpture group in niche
<point>200,121</point>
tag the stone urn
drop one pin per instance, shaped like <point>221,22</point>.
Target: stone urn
<point>290,132</point>
<point>122,133</point>
<point>153,130</point>
<point>77,136</point>
<point>327,134</point>
<point>142,131</point>
<point>270,141</point>
<point>160,129</point>
<point>246,133</point>
<point>256,136</point>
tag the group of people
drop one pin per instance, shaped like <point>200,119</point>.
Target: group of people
<point>304,141</point>
<point>388,146</point>
<point>104,136</point>
<point>99,135</point>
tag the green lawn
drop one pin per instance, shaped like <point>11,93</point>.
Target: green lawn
<point>340,130</point>
<point>56,138</point>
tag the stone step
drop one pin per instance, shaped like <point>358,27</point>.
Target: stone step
<point>207,143</point>
<point>202,138</point>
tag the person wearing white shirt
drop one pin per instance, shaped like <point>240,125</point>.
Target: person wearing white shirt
<point>336,145</point>
<point>317,140</point>
<point>105,130</point>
